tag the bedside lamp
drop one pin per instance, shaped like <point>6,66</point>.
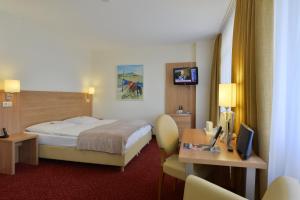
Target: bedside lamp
<point>10,87</point>
<point>90,92</point>
<point>227,99</point>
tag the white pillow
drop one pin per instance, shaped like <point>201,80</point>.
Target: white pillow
<point>49,127</point>
<point>82,120</point>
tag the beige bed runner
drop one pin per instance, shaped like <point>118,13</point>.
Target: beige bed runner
<point>110,138</point>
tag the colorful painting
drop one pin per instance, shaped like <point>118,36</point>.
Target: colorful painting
<point>130,82</point>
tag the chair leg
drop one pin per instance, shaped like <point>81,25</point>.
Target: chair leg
<point>175,183</point>
<point>160,184</point>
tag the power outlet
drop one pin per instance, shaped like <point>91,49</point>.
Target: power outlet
<point>7,104</point>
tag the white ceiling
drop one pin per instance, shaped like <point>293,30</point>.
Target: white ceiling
<point>125,21</point>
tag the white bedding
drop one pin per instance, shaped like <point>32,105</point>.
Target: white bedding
<point>62,128</point>
<point>65,133</point>
<point>67,141</point>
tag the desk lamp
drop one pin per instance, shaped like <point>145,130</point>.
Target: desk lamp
<point>227,99</point>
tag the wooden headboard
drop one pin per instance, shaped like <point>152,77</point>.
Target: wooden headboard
<point>37,107</point>
<point>32,107</point>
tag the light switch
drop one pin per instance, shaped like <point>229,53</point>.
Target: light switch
<point>7,104</point>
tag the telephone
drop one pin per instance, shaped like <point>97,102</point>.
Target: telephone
<point>5,135</point>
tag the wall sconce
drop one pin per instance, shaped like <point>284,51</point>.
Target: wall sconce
<point>91,91</point>
<point>10,87</point>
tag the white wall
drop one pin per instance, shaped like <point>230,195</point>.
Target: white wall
<point>46,60</point>
<point>154,59</point>
<point>40,58</point>
<point>204,54</point>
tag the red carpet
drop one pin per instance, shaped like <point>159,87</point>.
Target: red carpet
<point>61,180</point>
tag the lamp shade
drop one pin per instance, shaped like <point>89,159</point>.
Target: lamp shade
<point>227,95</point>
<point>91,90</point>
<point>12,86</point>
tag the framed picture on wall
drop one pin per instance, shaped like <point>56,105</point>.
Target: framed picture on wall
<point>130,85</point>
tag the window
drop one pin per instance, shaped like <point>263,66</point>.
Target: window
<point>284,156</point>
<point>226,49</point>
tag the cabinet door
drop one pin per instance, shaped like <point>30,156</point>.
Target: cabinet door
<point>182,122</point>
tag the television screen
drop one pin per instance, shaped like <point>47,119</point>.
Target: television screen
<point>185,76</point>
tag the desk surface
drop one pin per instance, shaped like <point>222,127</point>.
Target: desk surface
<point>222,158</point>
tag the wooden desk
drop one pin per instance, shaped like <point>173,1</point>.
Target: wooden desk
<point>222,158</point>
<point>28,151</point>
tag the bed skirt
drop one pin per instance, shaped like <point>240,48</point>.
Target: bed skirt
<point>95,157</point>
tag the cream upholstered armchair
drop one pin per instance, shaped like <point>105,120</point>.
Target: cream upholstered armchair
<point>283,188</point>
<point>167,139</point>
<point>197,188</point>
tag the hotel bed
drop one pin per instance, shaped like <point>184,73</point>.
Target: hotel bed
<point>61,140</point>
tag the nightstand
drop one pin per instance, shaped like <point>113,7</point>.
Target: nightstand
<point>28,151</point>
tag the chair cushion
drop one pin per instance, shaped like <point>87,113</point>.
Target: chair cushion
<point>174,168</point>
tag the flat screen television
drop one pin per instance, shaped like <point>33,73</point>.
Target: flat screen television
<point>185,76</point>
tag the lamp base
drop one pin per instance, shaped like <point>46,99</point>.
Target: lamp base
<point>227,122</point>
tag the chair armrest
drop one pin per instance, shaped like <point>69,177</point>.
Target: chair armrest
<point>283,188</point>
<point>198,188</point>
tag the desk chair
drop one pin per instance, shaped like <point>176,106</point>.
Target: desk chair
<point>167,139</point>
<point>197,188</point>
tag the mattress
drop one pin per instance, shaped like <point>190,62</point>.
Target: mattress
<point>71,141</point>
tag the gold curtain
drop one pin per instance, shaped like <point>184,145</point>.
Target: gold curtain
<point>243,63</point>
<point>264,30</point>
<point>243,74</point>
<point>215,80</point>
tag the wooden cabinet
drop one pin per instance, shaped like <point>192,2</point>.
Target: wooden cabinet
<point>183,121</point>
<point>177,95</point>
